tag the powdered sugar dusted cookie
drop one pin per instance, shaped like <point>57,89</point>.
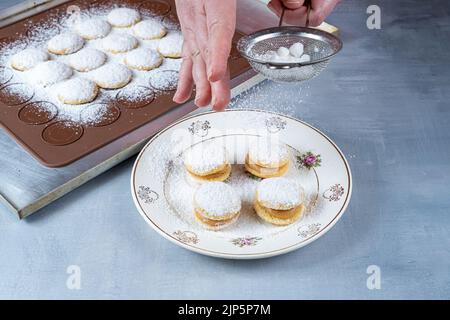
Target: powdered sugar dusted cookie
<point>112,76</point>
<point>87,59</point>
<point>93,28</point>
<point>119,43</point>
<point>65,43</point>
<point>143,59</point>
<point>123,17</point>
<point>216,205</point>
<point>50,72</point>
<point>170,46</point>
<point>149,30</point>
<point>28,58</point>
<point>279,193</point>
<point>76,91</point>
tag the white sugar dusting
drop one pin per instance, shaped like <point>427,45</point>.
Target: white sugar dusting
<point>279,192</point>
<point>205,157</point>
<point>179,190</point>
<point>217,199</point>
<point>37,38</point>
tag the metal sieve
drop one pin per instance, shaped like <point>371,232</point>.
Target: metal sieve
<point>319,45</point>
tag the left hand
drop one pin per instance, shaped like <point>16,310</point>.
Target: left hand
<point>208,28</point>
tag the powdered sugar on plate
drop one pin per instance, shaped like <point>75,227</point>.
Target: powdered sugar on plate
<point>179,190</point>
<point>38,36</point>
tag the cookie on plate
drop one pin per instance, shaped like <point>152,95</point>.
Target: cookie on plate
<point>267,159</point>
<point>149,30</point>
<point>216,205</point>
<point>279,201</point>
<point>207,161</point>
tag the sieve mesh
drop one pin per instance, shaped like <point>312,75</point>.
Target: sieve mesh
<point>319,45</point>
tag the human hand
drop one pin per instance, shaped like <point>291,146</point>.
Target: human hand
<point>208,28</point>
<point>297,11</point>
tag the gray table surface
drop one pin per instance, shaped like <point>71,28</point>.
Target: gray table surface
<point>384,100</point>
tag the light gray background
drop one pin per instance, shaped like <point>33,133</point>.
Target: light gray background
<point>384,100</point>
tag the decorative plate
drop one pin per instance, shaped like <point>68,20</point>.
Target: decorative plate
<point>163,193</point>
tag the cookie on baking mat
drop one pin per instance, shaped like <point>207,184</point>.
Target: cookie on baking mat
<point>112,76</point>
<point>123,17</point>
<point>119,43</point>
<point>87,59</point>
<point>65,43</point>
<point>279,201</point>
<point>28,58</point>
<point>216,205</point>
<point>149,30</point>
<point>76,91</point>
<point>143,59</point>
<point>50,72</point>
<point>170,46</point>
<point>93,28</point>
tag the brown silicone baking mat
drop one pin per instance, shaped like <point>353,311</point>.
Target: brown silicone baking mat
<point>56,143</point>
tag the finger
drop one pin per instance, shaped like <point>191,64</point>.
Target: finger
<point>186,81</point>
<point>293,4</point>
<point>202,86</point>
<point>221,93</point>
<point>320,9</point>
<point>201,31</point>
<point>221,23</point>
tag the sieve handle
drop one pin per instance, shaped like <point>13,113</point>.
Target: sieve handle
<point>307,4</point>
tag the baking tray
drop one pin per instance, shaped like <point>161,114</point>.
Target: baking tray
<point>56,143</point>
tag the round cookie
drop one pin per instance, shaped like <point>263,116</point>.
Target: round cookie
<point>171,45</point>
<point>123,17</point>
<point>93,28</point>
<point>65,43</point>
<point>216,204</point>
<point>119,43</point>
<point>28,58</point>
<point>149,30</point>
<point>270,215</point>
<point>279,193</point>
<point>268,154</point>
<point>112,76</point>
<point>218,176</point>
<point>215,225</point>
<point>77,91</point>
<point>50,72</point>
<point>143,59</point>
<point>263,172</point>
<point>205,158</point>
<point>87,59</point>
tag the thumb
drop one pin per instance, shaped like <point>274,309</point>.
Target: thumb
<point>293,4</point>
